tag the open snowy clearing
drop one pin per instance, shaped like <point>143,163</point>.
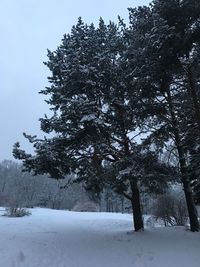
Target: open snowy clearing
<point>51,238</point>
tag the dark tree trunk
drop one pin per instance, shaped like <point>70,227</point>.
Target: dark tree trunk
<point>136,206</point>
<point>122,204</point>
<point>194,95</point>
<point>194,224</point>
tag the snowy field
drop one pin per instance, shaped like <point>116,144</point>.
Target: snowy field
<point>51,238</point>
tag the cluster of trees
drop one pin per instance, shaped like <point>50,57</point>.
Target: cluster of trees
<point>114,83</point>
<point>23,190</point>
<point>20,189</point>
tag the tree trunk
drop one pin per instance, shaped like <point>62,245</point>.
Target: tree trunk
<point>193,93</point>
<point>137,213</point>
<point>122,204</point>
<point>194,224</point>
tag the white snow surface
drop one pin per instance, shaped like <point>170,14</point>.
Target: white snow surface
<point>52,238</point>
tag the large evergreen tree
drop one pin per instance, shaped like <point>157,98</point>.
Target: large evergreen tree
<point>94,118</point>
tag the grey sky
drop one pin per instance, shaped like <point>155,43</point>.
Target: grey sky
<point>27,29</point>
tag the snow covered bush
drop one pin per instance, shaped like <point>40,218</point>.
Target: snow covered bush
<point>171,209</point>
<point>86,206</point>
<point>16,212</point>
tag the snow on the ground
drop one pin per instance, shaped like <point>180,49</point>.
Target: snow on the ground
<point>51,238</point>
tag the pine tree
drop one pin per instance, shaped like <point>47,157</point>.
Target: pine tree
<point>94,118</point>
<point>156,35</point>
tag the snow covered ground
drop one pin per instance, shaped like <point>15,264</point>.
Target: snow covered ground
<point>51,238</point>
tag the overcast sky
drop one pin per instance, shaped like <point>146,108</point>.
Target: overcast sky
<point>27,29</point>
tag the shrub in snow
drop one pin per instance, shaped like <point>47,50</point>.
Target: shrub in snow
<point>171,209</point>
<point>16,212</point>
<point>86,206</point>
<point>150,221</point>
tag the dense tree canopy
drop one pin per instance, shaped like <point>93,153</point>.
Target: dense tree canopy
<point>111,83</point>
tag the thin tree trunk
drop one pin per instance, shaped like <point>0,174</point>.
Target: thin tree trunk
<point>194,224</point>
<point>137,213</point>
<point>122,204</point>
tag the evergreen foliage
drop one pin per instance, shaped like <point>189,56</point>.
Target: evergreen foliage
<point>108,83</point>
